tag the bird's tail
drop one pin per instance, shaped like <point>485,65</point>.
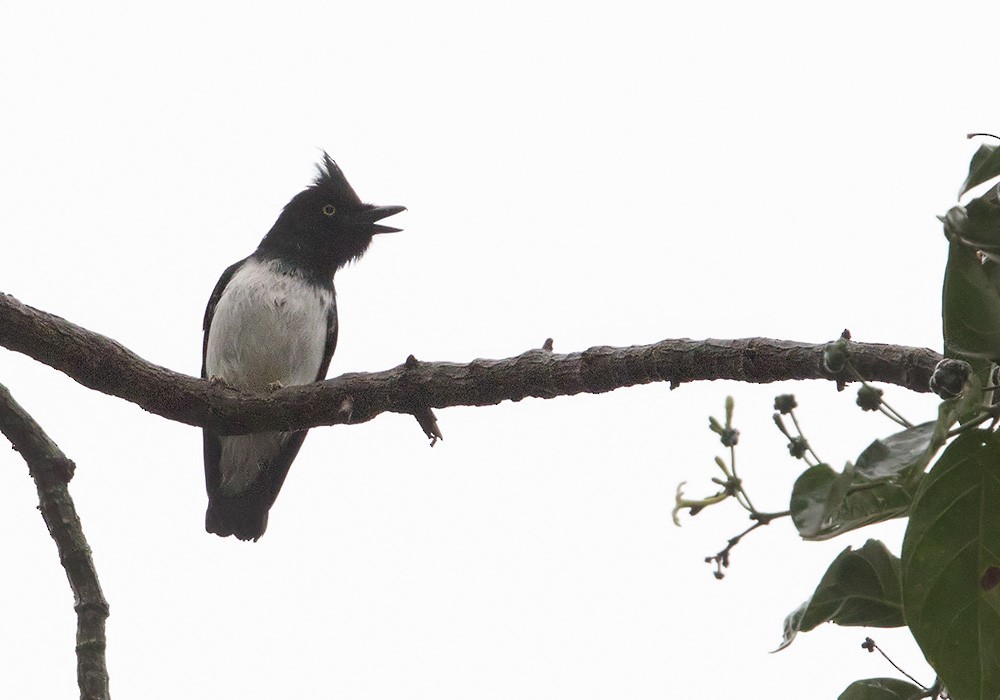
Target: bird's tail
<point>238,504</point>
<point>239,516</point>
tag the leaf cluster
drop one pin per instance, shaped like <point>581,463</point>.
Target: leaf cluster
<point>945,583</point>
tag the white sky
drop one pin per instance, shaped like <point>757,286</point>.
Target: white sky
<point>598,174</point>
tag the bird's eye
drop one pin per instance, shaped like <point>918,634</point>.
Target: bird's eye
<point>329,210</point>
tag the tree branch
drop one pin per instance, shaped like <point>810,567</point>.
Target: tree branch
<point>104,365</point>
<point>51,471</point>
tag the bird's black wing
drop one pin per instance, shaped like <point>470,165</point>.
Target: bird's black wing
<point>206,325</point>
<point>211,440</point>
<point>331,341</point>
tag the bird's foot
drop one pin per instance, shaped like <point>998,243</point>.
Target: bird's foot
<point>274,386</point>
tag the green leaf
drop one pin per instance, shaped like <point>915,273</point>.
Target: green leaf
<point>982,225</point>
<point>826,503</point>
<point>815,489</point>
<point>985,165</point>
<point>955,221</point>
<point>881,689</point>
<point>905,452</point>
<point>860,588</point>
<point>951,566</point>
<point>971,315</point>
<point>970,307</point>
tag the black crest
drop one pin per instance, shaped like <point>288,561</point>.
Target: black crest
<point>330,178</point>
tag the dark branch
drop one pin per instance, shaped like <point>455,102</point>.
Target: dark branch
<point>102,364</point>
<point>52,470</point>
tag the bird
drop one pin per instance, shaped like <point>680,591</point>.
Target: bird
<point>271,321</point>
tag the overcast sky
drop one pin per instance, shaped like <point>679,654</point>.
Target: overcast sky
<point>598,174</point>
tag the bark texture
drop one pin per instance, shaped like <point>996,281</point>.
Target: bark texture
<point>104,365</point>
<point>51,471</point>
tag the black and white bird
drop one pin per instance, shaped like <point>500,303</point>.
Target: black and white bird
<point>272,321</point>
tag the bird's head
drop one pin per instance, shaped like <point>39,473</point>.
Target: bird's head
<point>327,225</point>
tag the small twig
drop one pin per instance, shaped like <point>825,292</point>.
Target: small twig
<point>992,412</point>
<point>896,415</point>
<point>798,446</point>
<point>732,485</point>
<point>51,471</point>
<point>766,518</point>
<point>801,435</point>
<point>870,645</point>
<point>428,423</point>
<point>742,497</point>
<point>721,559</point>
<point>887,410</point>
<point>423,413</point>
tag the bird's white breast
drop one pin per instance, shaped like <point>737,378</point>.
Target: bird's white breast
<point>269,326</point>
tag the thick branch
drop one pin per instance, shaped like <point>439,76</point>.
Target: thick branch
<point>52,470</point>
<point>102,364</point>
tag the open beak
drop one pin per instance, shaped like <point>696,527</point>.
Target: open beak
<point>368,217</point>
